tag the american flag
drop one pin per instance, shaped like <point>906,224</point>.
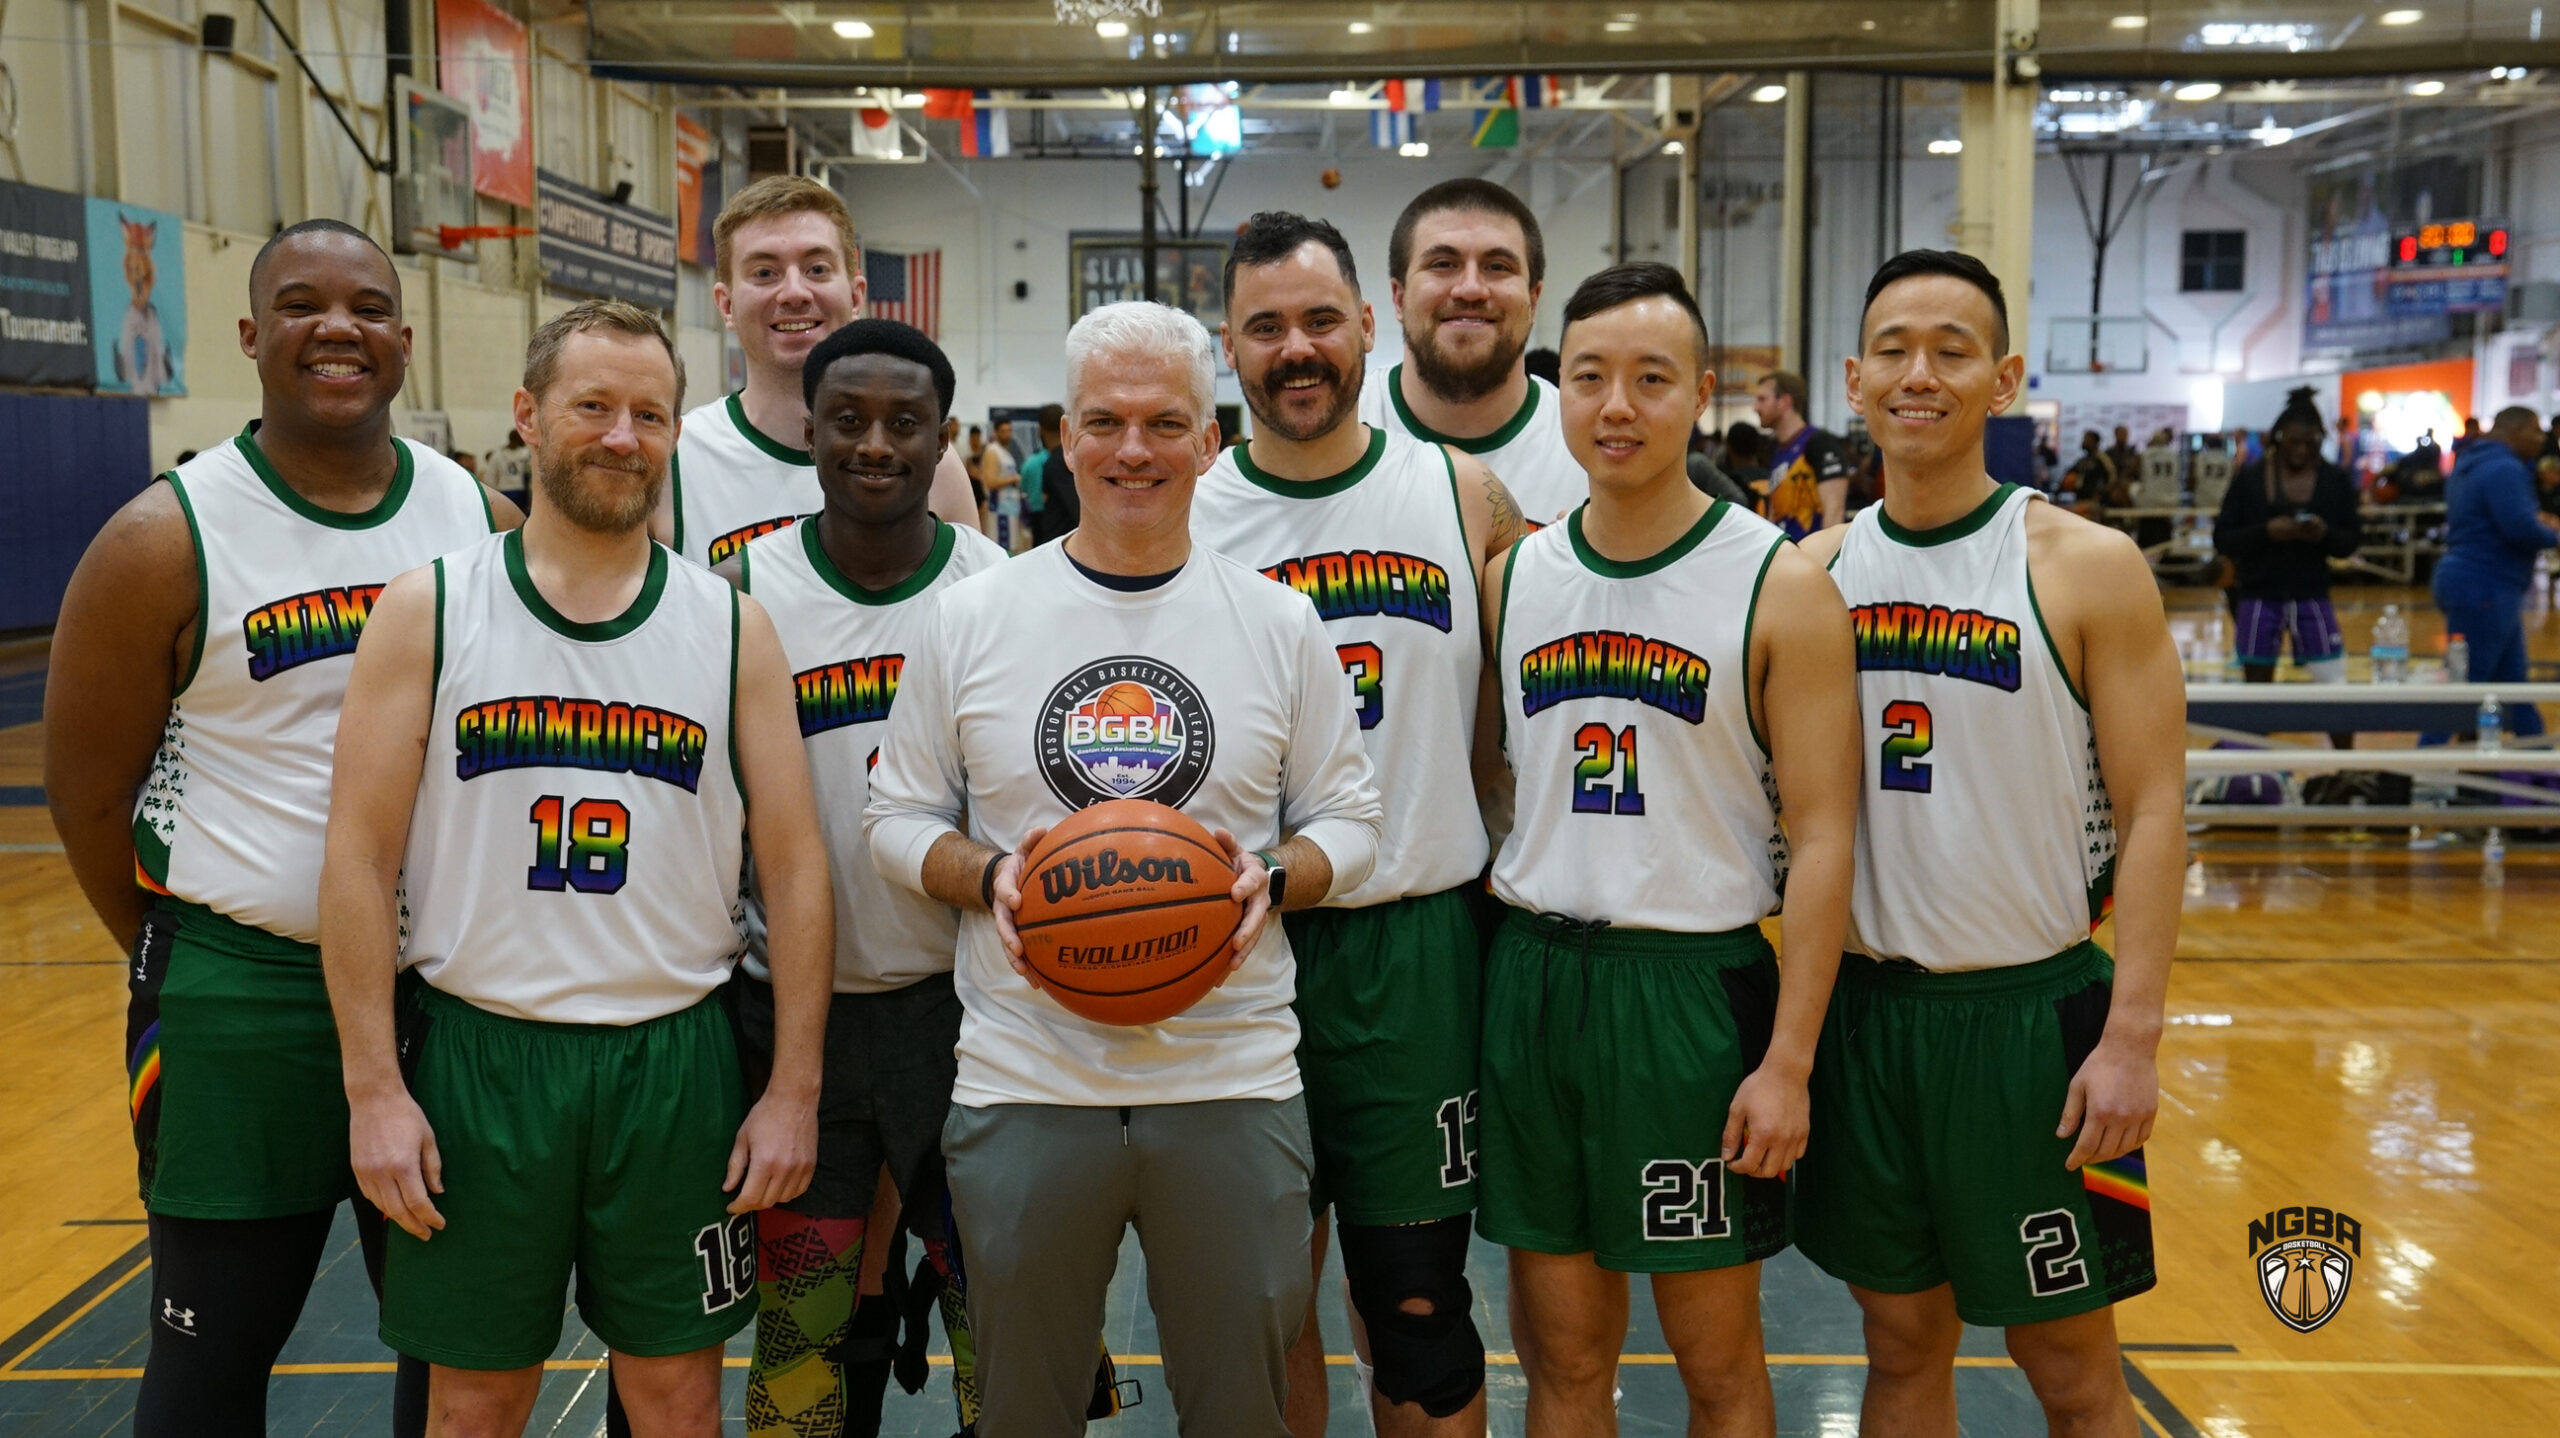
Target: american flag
<point>906,287</point>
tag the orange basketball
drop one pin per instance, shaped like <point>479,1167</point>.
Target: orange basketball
<point>1125,912</point>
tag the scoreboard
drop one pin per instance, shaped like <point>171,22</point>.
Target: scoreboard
<point>2446,267</point>
<point>2450,244</point>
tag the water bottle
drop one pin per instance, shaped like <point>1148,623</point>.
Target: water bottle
<point>2457,659</point>
<point>2391,647</point>
<point>2212,651</point>
<point>2493,860</point>
<point>2492,726</point>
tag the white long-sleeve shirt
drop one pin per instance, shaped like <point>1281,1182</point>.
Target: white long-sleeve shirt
<point>1041,691</point>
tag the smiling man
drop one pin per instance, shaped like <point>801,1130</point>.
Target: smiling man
<point>1644,1066</point>
<point>1386,535</point>
<point>1065,1131</point>
<point>1987,1075</point>
<point>1465,265</point>
<point>851,592</point>
<point>788,268</point>
<point>190,714</point>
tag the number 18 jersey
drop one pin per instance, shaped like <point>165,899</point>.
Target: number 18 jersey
<point>1645,796</point>
<point>1985,836</point>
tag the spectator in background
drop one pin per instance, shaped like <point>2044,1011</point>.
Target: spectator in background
<point>1710,480</point>
<point>1001,472</point>
<point>2419,475</point>
<point>977,446</point>
<point>2126,459</point>
<point>2493,531</point>
<point>512,464</point>
<point>1046,484</point>
<point>1808,473</point>
<point>1545,363</point>
<point>2470,429</point>
<point>1746,456</point>
<point>2085,485</point>
<point>470,462</point>
<point>2283,519</point>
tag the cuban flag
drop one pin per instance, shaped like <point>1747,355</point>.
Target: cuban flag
<point>1387,129</point>
<point>1413,97</point>
<point>983,132</point>
<point>905,287</point>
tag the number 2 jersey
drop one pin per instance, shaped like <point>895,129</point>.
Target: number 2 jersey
<point>575,850</point>
<point>1644,793</point>
<point>237,807</point>
<point>1381,551</point>
<point>1985,836</point>
<point>847,647</point>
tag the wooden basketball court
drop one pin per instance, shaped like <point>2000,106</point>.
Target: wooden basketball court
<point>2355,1024</point>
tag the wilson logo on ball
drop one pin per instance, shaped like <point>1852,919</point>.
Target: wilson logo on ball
<point>2303,1264</point>
<point>1065,879</point>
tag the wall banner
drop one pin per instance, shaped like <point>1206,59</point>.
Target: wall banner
<point>484,59</point>
<point>138,290</point>
<point>44,288</point>
<point>592,246</point>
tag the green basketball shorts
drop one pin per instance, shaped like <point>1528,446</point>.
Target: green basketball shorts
<point>239,1107</point>
<point>1611,1057</point>
<point>1933,1158</point>
<point>1388,1005</point>
<point>588,1148</point>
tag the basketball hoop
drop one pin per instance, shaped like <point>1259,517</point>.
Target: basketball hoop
<point>1087,12</point>
<point>454,237</point>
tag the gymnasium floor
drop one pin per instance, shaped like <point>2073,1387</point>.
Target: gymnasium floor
<point>2356,1025</point>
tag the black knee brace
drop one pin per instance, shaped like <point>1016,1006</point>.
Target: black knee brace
<point>1435,1359</point>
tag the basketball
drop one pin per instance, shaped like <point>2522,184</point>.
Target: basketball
<point>1125,912</point>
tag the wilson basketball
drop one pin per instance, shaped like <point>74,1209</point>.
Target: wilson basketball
<point>1125,912</point>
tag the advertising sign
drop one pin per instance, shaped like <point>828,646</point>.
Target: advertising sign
<point>2356,216</point>
<point>44,288</point>
<point>138,291</point>
<point>592,246</point>
<point>484,59</point>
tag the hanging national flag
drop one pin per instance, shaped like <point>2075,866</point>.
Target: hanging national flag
<point>1413,97</point>
<point>905,287</point>
<point>947,105</point>
<point>1499,129</point>
<point>984,135</point>
<point>875,133</point>
<point>1388,130</point>
<point>1540,92</point>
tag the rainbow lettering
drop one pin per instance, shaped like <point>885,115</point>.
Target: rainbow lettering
<point>850,691</point>
<point>1606,665</point>
<point>1933,639</point>
<point>545,731</point>
<point>323,624</point>
<point>1361,581</point>
<point>737,538</point>
<point>2122,1179</point>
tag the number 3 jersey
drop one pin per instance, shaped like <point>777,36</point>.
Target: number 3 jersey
<point>1645,797</point>
<point>575,850</point>
<point>1986,764</point>
<point>1382,552</point>
<point>847,647</point>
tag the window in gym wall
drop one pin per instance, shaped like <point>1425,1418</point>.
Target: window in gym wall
<point>2212,259</point>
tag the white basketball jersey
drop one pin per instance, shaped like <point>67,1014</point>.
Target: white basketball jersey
<point>1527,453</point>
<point>846,646</point>
<point>1644,791</point>
<point>237,807</point>
<point>1988,763</point>
<point>1382,552</point>
<point>574,854</point>
<point>733,482</point>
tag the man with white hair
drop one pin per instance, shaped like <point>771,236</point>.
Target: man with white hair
<point>1064,1131</point>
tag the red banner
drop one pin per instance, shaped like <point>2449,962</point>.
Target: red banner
<point>693,151</point>
<point>484,59</point>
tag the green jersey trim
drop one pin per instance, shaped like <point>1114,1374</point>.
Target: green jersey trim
<point>602,631</point>
<point>1312,488</point>
<point>1661,559</point>
<point>403,470</point>
<point>1751,616</point>
<point>762,440</point>
<point>945,539</point>
<point>737,775</point>
<point>1501,626</point>
<point>204,584</point>
<point>675,499</point>
<point>1509,431</point>
<point>2050,647</point>
<point>1952,530</point>
<point>435,679</point>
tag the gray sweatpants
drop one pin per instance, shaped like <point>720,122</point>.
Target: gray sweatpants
<point>1219,1194</point>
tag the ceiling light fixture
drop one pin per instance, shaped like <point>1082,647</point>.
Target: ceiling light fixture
<point>2200,90</point>
<point>1674,147</point>
<point>2129,22</point>
<point>1769,94</point>
<point>1349,95</point>
<point>853,29</point>
<point>1111,29</point>
<point>1415,149</point>
<point>2427,88</point>
<point>2403,17</point>
<point>1946,147</point>
<point>1619,27</point>
<point>1361,27</point>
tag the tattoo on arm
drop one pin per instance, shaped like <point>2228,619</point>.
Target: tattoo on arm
<point>1507,528</point>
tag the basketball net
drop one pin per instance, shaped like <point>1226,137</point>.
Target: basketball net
<point>1086,12</point>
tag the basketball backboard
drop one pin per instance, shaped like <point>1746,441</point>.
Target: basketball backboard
<point>431,171</point>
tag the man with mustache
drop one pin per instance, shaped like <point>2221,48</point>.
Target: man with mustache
<point>197,672</point>
<point>851,591</point>
<point>1465,264</point>
<point>1385,534</point>
<point>789,273</point>
<point>550,1089</point>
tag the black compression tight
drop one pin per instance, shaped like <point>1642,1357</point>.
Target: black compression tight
<point>225,1294</point>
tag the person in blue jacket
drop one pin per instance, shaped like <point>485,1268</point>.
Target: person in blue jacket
<point>2493,530</point>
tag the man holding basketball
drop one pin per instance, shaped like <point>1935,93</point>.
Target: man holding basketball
<point>1644,1067</point>
<point>1385,534</point>
<point>1063,1130</point>
<point>849,592</point>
